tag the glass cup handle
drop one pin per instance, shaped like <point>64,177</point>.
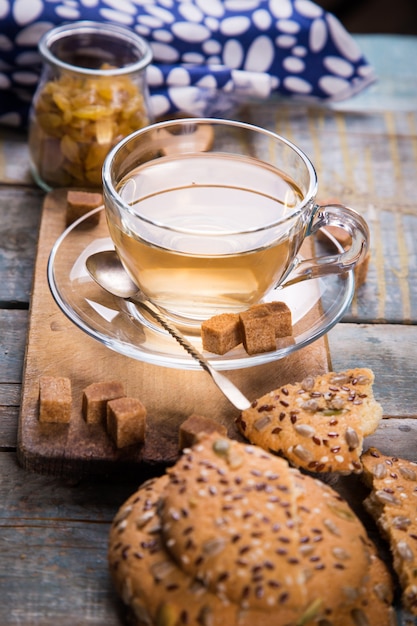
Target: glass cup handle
<point>332,215</point>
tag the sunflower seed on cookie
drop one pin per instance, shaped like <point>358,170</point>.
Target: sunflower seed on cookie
<point>318,424</point>
<point>392,503</point>
<point>233,536</point>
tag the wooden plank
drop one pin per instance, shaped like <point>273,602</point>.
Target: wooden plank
<point>57,347</point>
<point>14,158</point>
<point>13,325</point>
<point>8,424</point>
<point>396,437</point>
<point>13,328</point>
<point>391,351</point>
<point>19,223</point>
<point>50,578</point>
<point>53,536</point>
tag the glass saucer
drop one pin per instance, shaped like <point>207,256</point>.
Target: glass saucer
<point>316,306</point>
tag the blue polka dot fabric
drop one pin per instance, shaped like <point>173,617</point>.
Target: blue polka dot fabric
<point>208,55</point>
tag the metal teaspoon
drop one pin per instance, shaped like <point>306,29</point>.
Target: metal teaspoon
<point>108,272</point>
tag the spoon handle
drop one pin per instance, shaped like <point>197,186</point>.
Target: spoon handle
<point>234,395</point>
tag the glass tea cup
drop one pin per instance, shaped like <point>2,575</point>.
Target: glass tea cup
<point>208,216</point>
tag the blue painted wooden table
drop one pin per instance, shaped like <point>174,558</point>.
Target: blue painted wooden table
<point>53,531</point>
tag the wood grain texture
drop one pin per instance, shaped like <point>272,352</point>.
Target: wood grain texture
<point>56,347</point>
<point>19,222</point>
<point>13,325</point>
<point>8,422</point>
<point>53,537</point>
<point>391,352</point>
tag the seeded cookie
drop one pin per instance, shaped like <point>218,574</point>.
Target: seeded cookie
<point>318,424</point>
<point>324,553</point>
<point>153,584</point>
<point>233,536</point>
<point>373,600</point>
<point>241,490</point>
<point>392,503</point>
<point>144,573</point>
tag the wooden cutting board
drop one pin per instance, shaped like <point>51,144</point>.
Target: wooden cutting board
<point>55,346</point>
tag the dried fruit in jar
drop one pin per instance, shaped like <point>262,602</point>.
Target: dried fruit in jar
<point>77,120</point>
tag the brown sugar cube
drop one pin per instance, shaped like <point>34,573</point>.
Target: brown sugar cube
<point>55,399</point>
<point>221,333</point>
<point>80,203</point>
<point>278,313</point>
<point>126,421</point>
<point>194,426</point>
<point>95,398</point>
<point>258,333</point>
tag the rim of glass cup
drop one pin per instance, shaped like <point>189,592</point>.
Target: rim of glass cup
<point>109,188</point>
<point>87,27</point>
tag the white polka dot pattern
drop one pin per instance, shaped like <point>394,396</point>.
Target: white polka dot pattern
<point>208,54</point>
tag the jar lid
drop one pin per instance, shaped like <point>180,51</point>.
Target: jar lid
<point>86,46</point>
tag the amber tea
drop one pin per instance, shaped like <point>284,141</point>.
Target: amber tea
<point>182,240</point>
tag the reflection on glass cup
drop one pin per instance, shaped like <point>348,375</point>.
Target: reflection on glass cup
<point>209,215</point>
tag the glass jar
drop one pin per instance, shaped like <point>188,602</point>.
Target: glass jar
<point>92,92</point>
